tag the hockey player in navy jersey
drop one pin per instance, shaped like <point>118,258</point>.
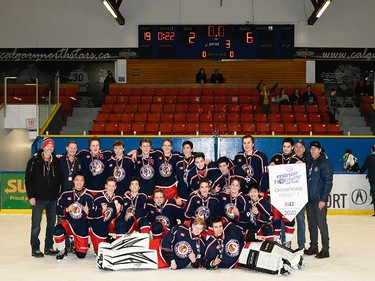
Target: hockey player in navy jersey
<point>121,167</point>
<point>228,170</point>
<point>182,246</point>
<point>233,204</point>
<point>253,162</point>
<point>201,170</point>
<point>202,204</point>
<point>145,167</point>
<point>93,165</point>
<point>134,211</point>
<point>258,215</point>
<point>163,214</point>
<point>74,207</point>
<point>224,246</point>
<point>287,156</point>
<point>107,208</point>
<point>183,168</point>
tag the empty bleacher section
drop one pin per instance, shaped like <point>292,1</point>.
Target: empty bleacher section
<point>209,109</point>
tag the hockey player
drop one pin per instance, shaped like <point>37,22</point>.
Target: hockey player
<point>121,167</point>
<point>145,167</point>
<point>182,246</point>
<point>224,246</point>
<point>259,215</point>
<point>201,170</point>
<point>287,156</point>
<point>165,165</point>
<point>74,207</point>
<point>233,204</point>
<point>253,162</point>
<point>107,208</point>
<point>134,211</point>
<point>93,165</point>
<point>228,170</point>
<point>163,214</point>
<point>202,204</point>
<point>70,165</point>
<point>183,168</point>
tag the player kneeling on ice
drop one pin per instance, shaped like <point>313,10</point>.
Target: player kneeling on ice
<point>74,207</point>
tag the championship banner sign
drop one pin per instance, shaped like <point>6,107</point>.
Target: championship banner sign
<point>13,191</point>
<point>288,188</point>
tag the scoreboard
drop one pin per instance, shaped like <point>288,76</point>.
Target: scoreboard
<point>216,41</point>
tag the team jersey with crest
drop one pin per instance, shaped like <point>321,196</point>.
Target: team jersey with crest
<point>93,167</point>
<point>183,168</point>
<point>281,158</point>
<point>256,221</point>
<point>227,247</point>
<point>227,202</point>
<point>180,242</point>
<point>165,168</point>
<point>122,170</point>
<point>68,169</point>
<point>253,164</point>
<point>167,213</point>
<point>102,220</point>
<point>199,207</point>
<point>145,169</point>
<point>77,218</point>
<point>209,172</point>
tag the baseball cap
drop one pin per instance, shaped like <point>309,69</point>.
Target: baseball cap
<point>316,144</point>
<point>301,141</point>
<point>48,141</point>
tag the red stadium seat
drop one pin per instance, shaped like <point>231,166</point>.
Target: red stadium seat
<point>319,128</point>
<point>233,117</point>
<point>148,92</point>
<point>195,92</point>
<point>305,129</point>
<point>207,92</point>
<point>291,128</point>
<point>246,117</point>
<point>156,108</point>
<point>130,108</point>
<point>299,108</point>
<point>107,108</point>
<point>220,117</point>
<point>165,128</point>
<point>275,108</point>
<point>234,127</point>
<point>101,117</point>
<point>140,117</point>
<point>169,108</point>
<point>301,117</point>
<point>153,117</point>
<point>170,99</point>
<point>158,99</point>
<point>125,128</point>
<point>219,91</point>
<point>97,128</point>
<point>243,91</point>
<point>233,108</point>
<point>286,108</point>
<point>244,100</point>
<point>263,128</point>
<point>115,117</point>
<point>152,128</point>
<point>367,99</point>
<point>179,117</point>
<point>146,99</point>
<point>195,108</point>
<point>179,128</point>
<point>144,108</point>
<point>206,99</point>
<point>138,127</point>
<point>194,99</point>
<point>231,91</point>
<point>274,117</point>
<point>312,108</point>
<point>127,117</point>
<point>247,108</point>
<point>206,128</point>
<point>192,117</point>
<point>277,128</point>
<point>183,91</point>
<point>222,128</point>
<point>248,128</point>
<point>166,117</point>
<point>119,108</point>
<point>163,91</point>
<point>111,128</point>
<point>206,108</point>
<point>182,108</point>
<point>205,117</point>
<point>136,91</point>
<point>192,128</point>
<point>134,99</point>
<point>220,99</point>
<point>287,117</point>
<point>123,99</point>
<point>111,99</point>
<point>220,108</point>
<point>334,129</point>
<point>315,117</point>
<point>182,99</point>
<point>258,117</point>
<point>233,99</point>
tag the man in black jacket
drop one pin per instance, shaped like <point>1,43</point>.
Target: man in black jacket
<point>319,185</point>
<point>43,180</point>
<point>370,166</point>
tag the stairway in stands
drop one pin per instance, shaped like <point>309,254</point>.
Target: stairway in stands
<point>80,121</point>
<point>351,122</point>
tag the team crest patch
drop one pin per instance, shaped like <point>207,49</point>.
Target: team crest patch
<point>163,219</point>
<point>248,169</point>
<point>182,249</point>
<point>229,210</point>
<point>119,173</point>
<point>77,211</point>
<point>165,170</point>
<point>96,167</point>
<point>147,172</point>
<point>202,212</point>
<point>232,248</point>
<point>131,209</point>
<point>316,169</point>
<point>108,214</point>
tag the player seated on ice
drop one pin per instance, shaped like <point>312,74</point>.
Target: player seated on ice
<point>74,207</point>
<point>224,246</point>
<point>182,246</point>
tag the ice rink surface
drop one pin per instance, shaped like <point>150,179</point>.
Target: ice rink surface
<point>352,258</point>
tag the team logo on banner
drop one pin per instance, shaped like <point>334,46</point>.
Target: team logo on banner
<point>165,170</point>
<point>232,248</point>
<point>182,249</point>
<point>229,210</point>
<point>77,211</point>
<point>248,169</point>
<point>119,173</point>
<point>96,167</point>
<point>147,172</point>
<point>108,214</point>
<point>202,212</point>
<point>163,219</point>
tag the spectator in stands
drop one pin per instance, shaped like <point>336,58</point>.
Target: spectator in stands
<point>108,80</point>
<point>217,77</point>
<point>332,106</point>
<point>370,166</point>
<point>309,97</point>
<point>282,97</point>
<point>360,90</point>
<point>296,98</point>
<point>201,77</point>
<point>265,96</point>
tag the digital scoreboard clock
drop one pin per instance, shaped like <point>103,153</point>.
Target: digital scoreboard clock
<point>216,41</point>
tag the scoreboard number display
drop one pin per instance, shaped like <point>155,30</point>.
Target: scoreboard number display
<point>216,41</point>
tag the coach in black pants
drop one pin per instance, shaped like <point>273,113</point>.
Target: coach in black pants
<point>369,165</point>
<point>319,185</point>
